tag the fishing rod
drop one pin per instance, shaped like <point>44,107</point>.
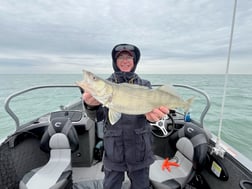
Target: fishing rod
<point>218,150</point>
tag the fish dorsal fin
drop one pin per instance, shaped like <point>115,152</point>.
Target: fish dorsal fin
<point>168,89</point>
<point>133,86</point>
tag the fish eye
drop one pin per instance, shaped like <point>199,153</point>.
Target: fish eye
<point>94,77</point>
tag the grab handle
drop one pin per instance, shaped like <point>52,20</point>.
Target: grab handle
<point>244,183</point>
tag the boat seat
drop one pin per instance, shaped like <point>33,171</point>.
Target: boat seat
<point>191,145</point>
<point>57,173</point>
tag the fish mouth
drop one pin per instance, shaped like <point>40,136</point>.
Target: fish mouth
<point>86,83</point>
<point>88,76</point>
<point>85,74</point>
<point>91,83</point>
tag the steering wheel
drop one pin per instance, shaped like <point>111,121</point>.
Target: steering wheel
<point>164,127</point>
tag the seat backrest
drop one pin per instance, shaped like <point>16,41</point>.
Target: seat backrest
<point>191,144</point>
<point>185,147</point>
<point>51,173</point>
<point>199,140</point>
<point>59,139</point>
<point>60,125</point>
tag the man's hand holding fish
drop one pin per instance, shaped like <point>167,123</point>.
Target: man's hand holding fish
<point>157,114</point>
<point>90,100</point>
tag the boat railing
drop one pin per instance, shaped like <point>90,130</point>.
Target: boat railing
<point>9,98</point>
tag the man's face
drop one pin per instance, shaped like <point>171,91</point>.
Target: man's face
<point>125,62</point>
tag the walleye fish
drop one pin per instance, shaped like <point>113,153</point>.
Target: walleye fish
<point>130,99</point>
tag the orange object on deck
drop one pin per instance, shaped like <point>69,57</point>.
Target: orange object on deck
<point>166,164</point>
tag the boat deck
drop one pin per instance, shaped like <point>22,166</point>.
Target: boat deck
<point>92,177</point>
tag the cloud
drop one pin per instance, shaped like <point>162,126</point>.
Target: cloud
<point>72,34</point>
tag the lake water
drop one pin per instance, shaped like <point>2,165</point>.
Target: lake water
<point>237,118</point>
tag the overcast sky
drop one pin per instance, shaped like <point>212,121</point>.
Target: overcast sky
<point>174,36</point>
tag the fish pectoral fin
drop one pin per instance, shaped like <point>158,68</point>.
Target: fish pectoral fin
<point>114,116</point>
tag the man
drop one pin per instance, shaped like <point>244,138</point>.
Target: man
<point>127,143</point>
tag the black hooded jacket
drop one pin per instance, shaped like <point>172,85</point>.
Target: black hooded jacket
<point>127,143</point>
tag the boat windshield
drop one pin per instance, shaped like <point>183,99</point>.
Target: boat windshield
<point>29,104</point>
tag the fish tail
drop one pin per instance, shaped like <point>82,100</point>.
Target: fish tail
<point>188,103</point>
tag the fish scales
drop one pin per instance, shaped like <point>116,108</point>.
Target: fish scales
<point>133,100</point>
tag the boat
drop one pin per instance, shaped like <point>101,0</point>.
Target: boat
<point>63,148</point>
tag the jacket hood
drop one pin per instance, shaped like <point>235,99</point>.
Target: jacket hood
<point>131,49</point>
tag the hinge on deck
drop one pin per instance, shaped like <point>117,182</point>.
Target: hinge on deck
<point>218,150</point>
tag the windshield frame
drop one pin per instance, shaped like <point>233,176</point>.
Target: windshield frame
<point>12,96</point>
